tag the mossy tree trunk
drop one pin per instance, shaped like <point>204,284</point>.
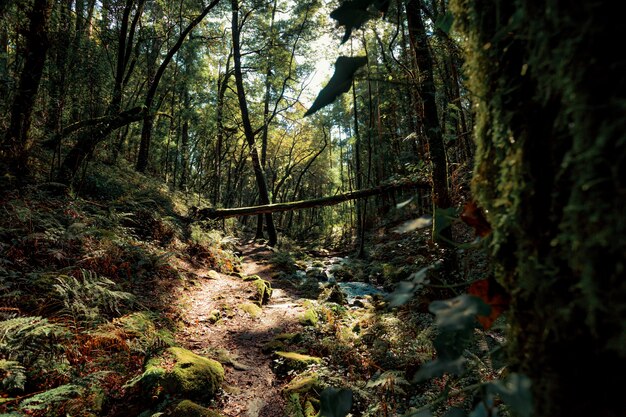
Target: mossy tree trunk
<point>550,96</point>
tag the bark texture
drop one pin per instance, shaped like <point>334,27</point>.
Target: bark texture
<point>551,141</point>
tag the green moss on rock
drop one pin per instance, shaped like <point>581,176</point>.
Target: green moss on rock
<point>251,278</point>
<point>309,318</point>
<point>213,275</point>
<point>295,361</point>
<point>332,294</point>
<point>303,383</point>
<point>263,291</point>
<point>251,308</point>
<point>188,408</point>
<point>178,371</point>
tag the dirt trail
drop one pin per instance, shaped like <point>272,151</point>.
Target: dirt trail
<point>251,388</point>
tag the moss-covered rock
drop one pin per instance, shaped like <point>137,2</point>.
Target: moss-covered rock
<point>310,288</point>
<point>303,383</point>
<point>289,337</point>
<point>213,274</point>
<point>178,371</point>
<point>293,361</point>
<point>273,345</point>
<point>251,308</point>
<point>214,316</point>
<point>309,318</point>
<point>251,277</point>
<point>263,291</point>
<point>332,294</point>
<point>188,408</point>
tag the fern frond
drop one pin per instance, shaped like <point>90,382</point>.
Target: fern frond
<point>13,375</point>
<point>49,399</point>
<point>88,297</point>
<point>29,339</point>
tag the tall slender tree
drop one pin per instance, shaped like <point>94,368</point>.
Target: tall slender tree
<point>17,142</point>
<point>249,133</point>
<point>427,106</point>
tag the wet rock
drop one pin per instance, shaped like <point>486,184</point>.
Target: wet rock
<point>332,294</point>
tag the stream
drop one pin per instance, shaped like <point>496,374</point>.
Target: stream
<point>325,273</point>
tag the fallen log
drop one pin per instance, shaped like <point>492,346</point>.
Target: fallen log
<point>211,213</point>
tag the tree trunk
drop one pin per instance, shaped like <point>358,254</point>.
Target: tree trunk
<point>249,133</point>
<point>17,142</point>
<point>550,171</point>
<point>430,117</point>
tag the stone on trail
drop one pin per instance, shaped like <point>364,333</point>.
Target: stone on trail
<point>178,371</point>
<point>213,274</point>
<point>251,308</point>
<point>263,291</point>
<point>188,408</point>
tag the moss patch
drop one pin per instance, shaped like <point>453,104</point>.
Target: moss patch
<point>213,275</point>
<point>332,294</point>
<point>303,383</point>
<point>263,291</point>
<point>309,318</point>
<point>251,278</point>
<point>251,308</point>
<point>179,371</point>
<point>188,408</point>
<point>295,361</point>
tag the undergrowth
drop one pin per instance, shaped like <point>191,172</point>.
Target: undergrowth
<point>88,287</point>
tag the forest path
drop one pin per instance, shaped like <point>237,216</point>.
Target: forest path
<point>251,388</point>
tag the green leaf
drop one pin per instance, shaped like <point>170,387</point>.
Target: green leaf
<point>515,392</point>
<point>444,23</point>
<point>451,344</point>
<point>455,412</point>
<point>339,83</point>
<point>335,402</point>
<point>443,220</point>
<point>439,367</point>
<point>353,14</point>
<point>458,313</point>
<point>405,290</point>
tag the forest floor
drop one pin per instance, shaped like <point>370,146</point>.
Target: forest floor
<point>93,288</point>
<point>252,388</point>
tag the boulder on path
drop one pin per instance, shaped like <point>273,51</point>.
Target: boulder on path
<point>180,372</point>
<point>263,291</point>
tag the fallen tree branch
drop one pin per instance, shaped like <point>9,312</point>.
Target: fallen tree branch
<point>211,213</point>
